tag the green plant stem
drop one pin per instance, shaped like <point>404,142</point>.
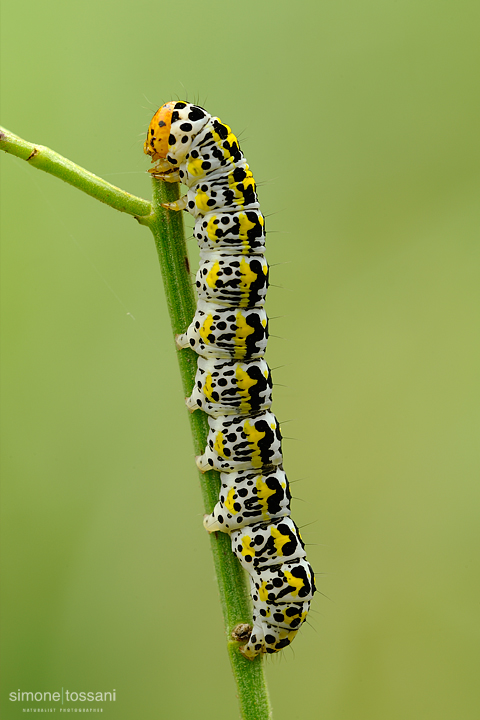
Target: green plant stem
<point>167,228</point>
<point>51,162</point>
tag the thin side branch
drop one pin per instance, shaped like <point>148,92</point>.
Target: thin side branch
<point>51,162</point>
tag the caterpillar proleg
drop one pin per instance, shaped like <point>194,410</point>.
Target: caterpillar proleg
<point>233,383</point>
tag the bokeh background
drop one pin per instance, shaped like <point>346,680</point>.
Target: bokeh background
<point>360,121</point>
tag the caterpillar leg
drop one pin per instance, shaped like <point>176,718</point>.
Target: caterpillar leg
<point>165,170</point>
<point>182,341</point>
<point>180,204</point>
<point>168,176</point>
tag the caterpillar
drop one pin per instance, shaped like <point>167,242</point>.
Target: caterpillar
<point>233,383</point>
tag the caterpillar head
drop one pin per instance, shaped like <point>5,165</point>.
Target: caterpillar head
<point>156,144</point>
<point>172,130</point>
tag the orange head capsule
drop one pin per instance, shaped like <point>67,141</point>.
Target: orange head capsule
<point>156,143</point>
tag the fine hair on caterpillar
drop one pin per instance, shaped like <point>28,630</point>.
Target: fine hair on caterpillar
<point>233,383</point>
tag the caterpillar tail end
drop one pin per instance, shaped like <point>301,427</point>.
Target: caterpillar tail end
<point>247,654</point>
<point>242,633</point>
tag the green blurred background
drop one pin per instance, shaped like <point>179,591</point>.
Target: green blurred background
<point>360,121</point>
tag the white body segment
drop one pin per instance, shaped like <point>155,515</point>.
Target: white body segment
<point>241,443</point>
<point>248,497</point>
<point>226,387</point>
<point>220,332</point>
